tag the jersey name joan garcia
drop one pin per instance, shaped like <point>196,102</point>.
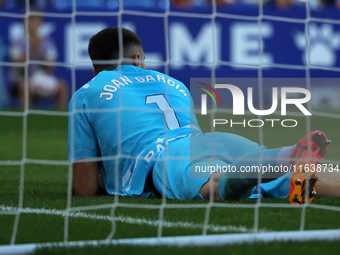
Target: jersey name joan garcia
<point>124,80</point>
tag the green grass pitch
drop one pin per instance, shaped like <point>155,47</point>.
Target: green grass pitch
<point>45,187</point>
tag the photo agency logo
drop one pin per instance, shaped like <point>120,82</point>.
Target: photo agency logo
<point>204,98</point>
<point>239,99</point>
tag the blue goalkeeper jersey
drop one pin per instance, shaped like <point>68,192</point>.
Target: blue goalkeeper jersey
<point>124,118</point>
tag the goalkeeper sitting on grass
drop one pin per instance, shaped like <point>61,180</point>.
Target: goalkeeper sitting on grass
<point>133,132</point>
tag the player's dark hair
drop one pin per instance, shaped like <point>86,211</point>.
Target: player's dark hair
<point>105,46</point>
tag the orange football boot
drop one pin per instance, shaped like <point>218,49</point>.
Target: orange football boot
<point>307,154</point>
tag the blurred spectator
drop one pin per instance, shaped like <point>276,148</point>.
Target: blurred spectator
<point>281,4</point>
<point>284,4</point>
<point>328,3</point>
<point>18,3</point>
<point>42,82</point>
<point>220,3</point>
<point>183,3</point>
<point>35,2</point>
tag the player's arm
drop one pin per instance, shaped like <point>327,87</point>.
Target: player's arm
<point>83,149</point>
<point>86,179</point>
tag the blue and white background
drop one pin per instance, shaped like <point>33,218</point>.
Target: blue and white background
<point>195,44</point>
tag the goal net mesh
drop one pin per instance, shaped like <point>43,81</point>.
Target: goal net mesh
<point>189,42</point>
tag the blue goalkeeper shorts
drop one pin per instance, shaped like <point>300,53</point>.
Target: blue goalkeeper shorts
<point>175,171</point>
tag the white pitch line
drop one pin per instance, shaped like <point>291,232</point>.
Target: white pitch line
<point>130,220</point>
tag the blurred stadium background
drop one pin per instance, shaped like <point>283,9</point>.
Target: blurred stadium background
<point>191,38</point>
<point>179,40</point>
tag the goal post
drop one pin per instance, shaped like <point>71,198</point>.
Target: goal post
<point>209,240</point>
<point>201,47</point>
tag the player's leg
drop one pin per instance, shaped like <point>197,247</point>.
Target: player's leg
<point>179,184</point>
<point>286,186</point>
<point>23,86</point>
<point>233,182</point>
<point>278,188</point>
<point>328,183</point>
<point>186,165</point>
<point>238,184</point>
<point>242,175</point>
<point>210,188</point>
<point>307,154</point>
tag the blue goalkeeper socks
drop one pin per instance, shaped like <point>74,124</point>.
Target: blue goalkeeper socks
<point>231,187</point>
<point>240,181</point>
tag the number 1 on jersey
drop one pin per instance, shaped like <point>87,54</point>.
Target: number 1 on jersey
<point>169,113</point>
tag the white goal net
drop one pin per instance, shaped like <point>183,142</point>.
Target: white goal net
<point>206,43</point>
